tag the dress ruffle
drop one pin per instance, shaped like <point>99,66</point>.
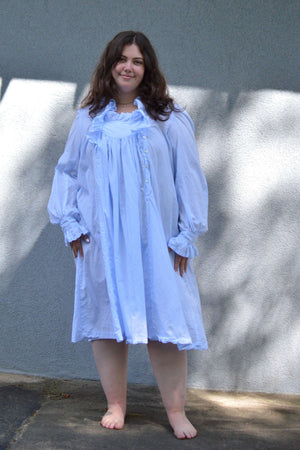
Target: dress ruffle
<point>183,244</point>
<point>118,126</point>
<point>73,230</point>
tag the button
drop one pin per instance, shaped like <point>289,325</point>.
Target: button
<point>145,151</point>
<point>146,165</point>
<point>147,181</point>
<point>144,137</point>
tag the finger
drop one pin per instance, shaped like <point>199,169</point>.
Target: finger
<point>176,262</point>
<point>80,249</point>
<point>75,247</point>
<point>185,264</point>
<point>185,261</point>
<point>86,238</point>
<point>74,250</point>
<point>182,263</point>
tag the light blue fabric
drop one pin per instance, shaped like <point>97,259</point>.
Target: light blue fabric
<point>136,187</point>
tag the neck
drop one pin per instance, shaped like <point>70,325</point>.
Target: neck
<point>124,104</point>
<point>125,99</point>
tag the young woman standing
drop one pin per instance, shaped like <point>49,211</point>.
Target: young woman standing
<point>131,199</point>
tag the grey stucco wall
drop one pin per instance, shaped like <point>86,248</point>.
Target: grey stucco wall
<point>235,66</point>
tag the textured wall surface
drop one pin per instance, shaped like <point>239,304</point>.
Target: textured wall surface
<point>235,66</point>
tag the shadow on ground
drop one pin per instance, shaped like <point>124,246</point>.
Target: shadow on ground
<point>65,414</point>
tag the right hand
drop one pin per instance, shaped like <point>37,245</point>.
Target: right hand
<point>76,245</point>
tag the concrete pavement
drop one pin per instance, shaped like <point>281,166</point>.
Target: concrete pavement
<point>40,413</point>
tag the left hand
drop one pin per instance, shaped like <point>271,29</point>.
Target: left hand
<point>180,262</point>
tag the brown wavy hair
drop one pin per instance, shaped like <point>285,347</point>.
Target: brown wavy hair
<point>152,91</point>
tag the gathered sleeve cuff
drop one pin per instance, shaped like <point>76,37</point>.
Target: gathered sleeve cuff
<point>190,185</point>
<point>72,230</point>
<point>183,244</point>
<point>62,205</point>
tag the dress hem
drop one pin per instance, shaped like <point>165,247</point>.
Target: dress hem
<point>181,345</point>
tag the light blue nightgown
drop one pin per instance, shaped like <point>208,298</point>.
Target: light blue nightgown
<point>136,187</point>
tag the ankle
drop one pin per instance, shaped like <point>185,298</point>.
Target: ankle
<point>176,411</point>
<point>117,407</point>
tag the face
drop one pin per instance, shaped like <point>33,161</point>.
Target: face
<point>129,70</point>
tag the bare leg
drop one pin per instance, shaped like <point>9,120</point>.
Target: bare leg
<point>111,361</point>
<point>170,369</point>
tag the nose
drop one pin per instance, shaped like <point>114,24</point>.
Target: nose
<point>128,66</point>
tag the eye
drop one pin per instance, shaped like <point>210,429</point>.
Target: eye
<point>138,62</point>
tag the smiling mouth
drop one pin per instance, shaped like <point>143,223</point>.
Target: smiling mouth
<point>126,76</point>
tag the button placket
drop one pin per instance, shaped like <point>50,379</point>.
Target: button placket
<point>146,171</point>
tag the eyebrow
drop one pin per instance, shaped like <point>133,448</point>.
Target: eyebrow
<point>137,57</point>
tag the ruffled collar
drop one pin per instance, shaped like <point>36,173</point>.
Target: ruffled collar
<point>115,125</point>
<point>110,112</point>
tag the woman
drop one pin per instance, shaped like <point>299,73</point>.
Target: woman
<point>131,199</point>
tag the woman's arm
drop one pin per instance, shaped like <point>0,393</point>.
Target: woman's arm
<point>190,185</point>
<point>62,205</point>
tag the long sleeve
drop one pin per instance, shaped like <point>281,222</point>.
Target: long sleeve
<point>62,205</point>
<point>190,185</point>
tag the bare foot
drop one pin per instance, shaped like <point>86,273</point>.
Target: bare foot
<point>182,427</point>
<point>113,418</point>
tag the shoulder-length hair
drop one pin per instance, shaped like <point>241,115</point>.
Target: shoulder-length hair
<point>152,91</point>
